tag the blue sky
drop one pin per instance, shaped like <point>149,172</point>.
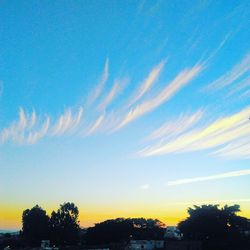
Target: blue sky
<point>127,108</point>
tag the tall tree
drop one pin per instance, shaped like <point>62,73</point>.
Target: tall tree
<point>64,224</point>
<point>35,225</point>
<point>211,224</point>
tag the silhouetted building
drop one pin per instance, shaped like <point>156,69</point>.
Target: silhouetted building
<point>145,244</point>
<point>172,232</point>
<point>183,245</point>
<point>45,245</point>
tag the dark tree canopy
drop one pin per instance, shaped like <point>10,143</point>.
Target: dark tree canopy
<point>210,223</point>
<point>121,229</point>
<point>217,228</point>
<point>64,224</point>
<point>35,225</point>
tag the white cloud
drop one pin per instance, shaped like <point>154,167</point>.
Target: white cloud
<point>236,149</point>
<point>219,133</point>
<point>176,127</point>
<point>96,125</point>
<point>246,94</point>
<point>148,82</point>
<point>33,137</point>
<point>67,122</point>
<point>33,119</point>
<point>218,48</point>
<point>26,130</point>
<point>241,86</point>
<point>209,178</point>
<point>234,74</point>
<point>97,91</point>
<point>145,187</point>
<point>116,89</point>
<point>15,131</point>
<point>29,128</point>
<point>180,81</point>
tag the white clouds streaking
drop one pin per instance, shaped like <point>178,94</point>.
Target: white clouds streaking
<point>148,82</point>
<point>67,122</point>
<point>241,86</point>
<point>174,128</point>
<point>180,81</point>
<point>25,130</point>
<point>33,137</point>
<point>96,125</point>
<point>236,149</point>
<point>226,136</point>
<point>234,74</point>
<point>16,130</point>
<point>209,178</point>
<point>219,133</point>
<point>97,91</point>
<point>29,128</point>
<point>246,94</point>
<point>116,89</point>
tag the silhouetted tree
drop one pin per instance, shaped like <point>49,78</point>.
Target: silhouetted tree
<point>121,229</point>
<point>221,227</point>
<point>35,225</point>
<point>64,224</point>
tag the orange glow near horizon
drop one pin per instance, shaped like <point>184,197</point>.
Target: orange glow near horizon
<point>11,216</point>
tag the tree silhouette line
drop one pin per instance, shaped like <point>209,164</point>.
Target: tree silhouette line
<point>62,227</point>
<point>217,228</point>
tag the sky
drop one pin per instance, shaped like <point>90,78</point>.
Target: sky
<point>126,108</point>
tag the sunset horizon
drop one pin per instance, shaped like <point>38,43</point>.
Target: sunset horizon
<point>128,109</point>
<point>168,216</point>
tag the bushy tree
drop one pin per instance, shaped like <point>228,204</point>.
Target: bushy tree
<point>121,229</point>
<point>64,224</point>
<point>35,225</point>
<point>211,224</point>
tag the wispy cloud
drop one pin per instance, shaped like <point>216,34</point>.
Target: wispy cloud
<point>180,81</point>
<point>148,82</point>
<point>224,136</point>
<point>97,91</point>
<point>236,149</point>
<point>176,127</point>
<point>26,130</point>
<point>246,94</point>
<point>16,130</point>
<point>219,133</point>
<point>96,125</point>
<point>241,87</point>
<point>35,136</point>
<point>145,187</point>
<point>116,89</point>
<point>209,178</point>
<point>218,48</point>
<point>30,128</point>
<point>234,74</point>
<point>67,121</point>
